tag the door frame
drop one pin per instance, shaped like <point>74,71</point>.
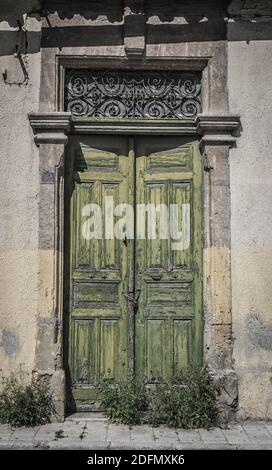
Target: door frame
<point>216,132</point>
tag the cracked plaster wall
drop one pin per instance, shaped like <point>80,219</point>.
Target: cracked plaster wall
<point>250,95</point>
<point>18,188</point>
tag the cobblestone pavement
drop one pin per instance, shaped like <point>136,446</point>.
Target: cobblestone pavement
<point>92,431</point>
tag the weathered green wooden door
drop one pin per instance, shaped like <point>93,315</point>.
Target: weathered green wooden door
<point>168,268</point>
<point>100,272</point>
<point>134,303</point>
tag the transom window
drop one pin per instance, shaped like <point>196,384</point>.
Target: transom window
<point>129,94</point>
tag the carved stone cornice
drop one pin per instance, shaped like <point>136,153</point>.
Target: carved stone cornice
<point>218,129</point>
<point>50,128</point>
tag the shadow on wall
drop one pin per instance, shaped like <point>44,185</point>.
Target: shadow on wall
<point>13,11</point>
<point>170,21</point>
<point>13,31</point>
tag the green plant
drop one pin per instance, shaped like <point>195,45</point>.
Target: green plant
<point>23,404</point>
<point>123,402</point>
<point>188,401</point>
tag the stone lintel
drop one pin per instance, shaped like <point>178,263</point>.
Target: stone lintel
<point>218,129</point>
<point>50,127</point>
<point>133,126</point>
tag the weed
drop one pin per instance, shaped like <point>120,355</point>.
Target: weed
<point>123,402</point>
<point>187,401</point>
<point>23,404</point>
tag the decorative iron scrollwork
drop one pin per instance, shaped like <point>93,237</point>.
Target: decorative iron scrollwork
<point>130,94</point>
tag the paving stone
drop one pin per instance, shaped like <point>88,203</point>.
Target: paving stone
<point>166,437</point>
<point>22,445</point>
<point>214,436</point>
<point>75,428</point>
<point>165,433</point>
<point>68,443</point>
<point>188,436</point>
<point>118,433</point>
<point>268,427</point>
<point>141,434</point>
<point>24,434</point>
<point>164,445</point>
<point>73,424</point>
<point>235,434</point>
<point>25,445</point>
<point>95,431</point>
<point>200,445</point>
<point>257,432</point>
<point>146,445</point>
<point>253,445</point>
<point>95,445</point>
<point>75,443</point>
<point>48,432</point>
<point>167,443</point>
<point>87,416</point>
<point>137,444</point>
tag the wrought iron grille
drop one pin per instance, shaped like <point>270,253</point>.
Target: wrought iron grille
<point>130,94</point>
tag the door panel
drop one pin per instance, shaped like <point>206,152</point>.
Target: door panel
<point>134,304</point>
<point>168,272</point>
<point>99,268</point>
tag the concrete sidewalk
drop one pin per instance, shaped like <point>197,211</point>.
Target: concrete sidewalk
<point>92,431</point>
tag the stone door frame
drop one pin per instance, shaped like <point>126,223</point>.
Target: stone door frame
<point>217,133</point>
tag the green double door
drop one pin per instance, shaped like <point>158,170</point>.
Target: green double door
<point>134,282</point>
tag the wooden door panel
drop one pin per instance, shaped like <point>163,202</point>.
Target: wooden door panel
<point>99,268</point>
<point>181,345</point>
<point>84,352</point>
<point>168,271</point>
<point>155,347</point>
